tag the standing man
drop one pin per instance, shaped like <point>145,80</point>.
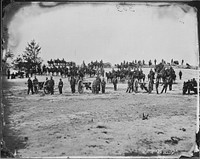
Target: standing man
<point>189,86</point>
<point>73,84</point>
<point>165,84</point>
<point>103,85</point>
<point>30,85</point>
<point>136,83</point>
<point>51,85</point>
<point>35,85</point>
<point>94,86</point>
<point>8,73</point>
<point>60,86</point>
<point>157,85</point>
<point>114,81</point>
<point>170,82</point>
<point>129,86</point>
<point>98,84</point>
<point>180,74</point>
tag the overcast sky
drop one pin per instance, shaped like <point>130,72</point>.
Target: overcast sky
<point>107,31</point>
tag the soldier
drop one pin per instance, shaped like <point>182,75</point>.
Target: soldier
<point>170,82</point>
<point>51,85</point>
<point>35,85</point>
<point>189,83</point>
<point>94,87</point>
<point>136,85</point>
<point>103,85</point>
<point>73,84</point>
<point>180,74</point>
<point>129,86</point>
<point>30,85</point>
<point>60,86</point>
<point>157,85</point>
<point>165,84</point>
<point>185,87</point>
<point>8,73</point>
<point>114,81</point>
<point>98,80</point>
<point>194,85</point>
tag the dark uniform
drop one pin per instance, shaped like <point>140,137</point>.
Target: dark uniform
<point>180,75</point>
<point>98,84</point>
<point>73,84</point>
<point>114,81</point>
<point>35,85</point>
<point>30,86</point>
<point>103,86</point>
<point>157,85</point>
<point>170,82</point>
<point>60,86</point>
<point>8,74</point>
<point>129,86</point>
<point>189,84</point>
<point>51,85</point>
<point>165,84</point>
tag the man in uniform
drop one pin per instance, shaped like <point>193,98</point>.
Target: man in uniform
<point>180,74</point>
<point>136,84</point>
<point>157,85</point>
<point>129,86</point>
<point>8,73</point>
<point>189,86</point>
<point>73,84</point>
<point>103,85</point>
<point>98,84</point>
<point>30,85</point>
<point>60,86</point>
<point>51,85</point>
<point>165,84</point>
<point>35,85</point>
<point>114,81</point>
<point>170,82</point>
<point>94,86</point>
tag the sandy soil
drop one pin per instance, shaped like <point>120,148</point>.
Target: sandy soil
<point>100,125</point>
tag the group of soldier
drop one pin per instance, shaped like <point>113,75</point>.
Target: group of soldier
<point>190,85</point>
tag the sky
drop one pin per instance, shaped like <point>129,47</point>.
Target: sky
<point>107,31</point>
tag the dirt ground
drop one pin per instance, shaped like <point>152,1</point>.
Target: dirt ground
<point>107,124</point>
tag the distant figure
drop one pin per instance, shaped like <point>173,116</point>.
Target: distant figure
<point>51,85</point>
<point>180,74</point>
<point>30,86</point>
<point>8,73</point>
<point>60,86</point>
<point>31,72</point>
<point>103,85</point>
<point>73,84</point>
<point>35,85</point>
<point>182,62</point>
<point>114,81</point>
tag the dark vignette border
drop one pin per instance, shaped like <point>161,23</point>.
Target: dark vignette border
<point>12,7</point>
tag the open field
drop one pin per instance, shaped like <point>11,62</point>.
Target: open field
<point>100,125</point>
